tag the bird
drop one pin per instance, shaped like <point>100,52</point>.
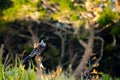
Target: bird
<point>36,51</point>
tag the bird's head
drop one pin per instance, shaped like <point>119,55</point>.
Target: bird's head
<point>43,42</point>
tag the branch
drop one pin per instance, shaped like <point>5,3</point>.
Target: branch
<point>59,33</point>
<point>54,26</point>
<point>71,63</point>
<point>1,50</point>
<point>73,59</point>
<point>22,35</point>
<point>101,53</point>
<point>105,27</point>
<point>34,36</point>
<point>90,41</point>
<point>83,43</point>
<point>30,29</point>
<point>114,41</point>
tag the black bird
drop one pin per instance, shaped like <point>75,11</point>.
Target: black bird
<point>36,51</point>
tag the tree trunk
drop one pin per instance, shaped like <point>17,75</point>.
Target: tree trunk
<point>86,56</point>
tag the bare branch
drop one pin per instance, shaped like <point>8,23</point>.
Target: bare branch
<point>71,63</point>
<point>101,51</point>
<point>30,29</point>
<point>20,34</point>
<point>24,36</point>
<point>53,25</point>
<point>103,28</point>
<point>1,50</point>
<point>59,33</point>
<point>73,59</point>
<point>34,36</point>
<point>83,43</point>
<point>114,41</point>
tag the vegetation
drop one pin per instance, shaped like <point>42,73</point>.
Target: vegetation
<point>19,73</point>
<point>82,36</point>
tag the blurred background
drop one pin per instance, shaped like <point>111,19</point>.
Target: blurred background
<point>82,35</point>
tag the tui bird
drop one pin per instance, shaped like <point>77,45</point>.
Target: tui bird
<point>36,51</point>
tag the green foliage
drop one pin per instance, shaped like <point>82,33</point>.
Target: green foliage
<point>31,74</point>
<point>11,13</point>
<point>56,1</point>
<point>68,12</point>
<point>79,8</point>
<point>20,8</point>
<point>28,48</point>
<point>110,47</point>
<point>107,16</point>
<point>106,76</point>
<point>20,2</point>
<point>19,73</point>
<point>66,5</point>
<point>75,18</point>
<point>117,79</point>
<point>25,2</point>
<point>64,77</point>
<point>2,24</point>
<point>116,29</point>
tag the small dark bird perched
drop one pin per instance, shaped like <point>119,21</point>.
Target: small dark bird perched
<point>36,51</point>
